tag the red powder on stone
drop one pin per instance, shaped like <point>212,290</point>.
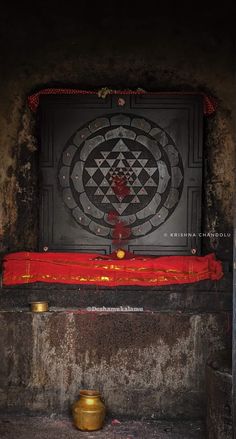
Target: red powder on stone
<point>120,187</point>
<point>121,232</point>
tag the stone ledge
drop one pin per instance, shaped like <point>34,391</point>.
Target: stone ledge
<point>203,296</point>
<point>161,302</point>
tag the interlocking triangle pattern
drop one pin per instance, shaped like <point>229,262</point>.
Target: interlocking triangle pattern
<point>123,163</point>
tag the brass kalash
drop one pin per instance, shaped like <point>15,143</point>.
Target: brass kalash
<point>89,412</point>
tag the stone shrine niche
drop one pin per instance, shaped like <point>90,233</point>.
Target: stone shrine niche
<point>152,143</point>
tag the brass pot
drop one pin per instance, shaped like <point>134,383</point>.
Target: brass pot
<point>39,306</point>
<point>89,411</point>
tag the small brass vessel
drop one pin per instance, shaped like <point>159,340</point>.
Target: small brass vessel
<point>39,306</point>
<point>89,411</point>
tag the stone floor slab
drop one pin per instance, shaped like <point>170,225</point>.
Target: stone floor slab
<point>22,427</point>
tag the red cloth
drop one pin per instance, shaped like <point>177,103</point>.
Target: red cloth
<point>95,269</point>
<point>209,103</point>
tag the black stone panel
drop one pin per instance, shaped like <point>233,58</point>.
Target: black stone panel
<point>152,145</point>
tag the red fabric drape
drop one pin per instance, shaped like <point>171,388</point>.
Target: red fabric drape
<point>95,269</point>
<point>209,103</point>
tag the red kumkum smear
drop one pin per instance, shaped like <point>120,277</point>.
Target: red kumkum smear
<point>113,216</point>
<point>120,187</point>
<point>121,232</point>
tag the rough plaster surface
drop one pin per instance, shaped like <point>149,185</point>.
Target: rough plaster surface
<point>144,364</point>
<point>170,50</point>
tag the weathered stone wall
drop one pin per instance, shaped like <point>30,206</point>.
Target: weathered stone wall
<point>219,397</point>
<point>146,365</point>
